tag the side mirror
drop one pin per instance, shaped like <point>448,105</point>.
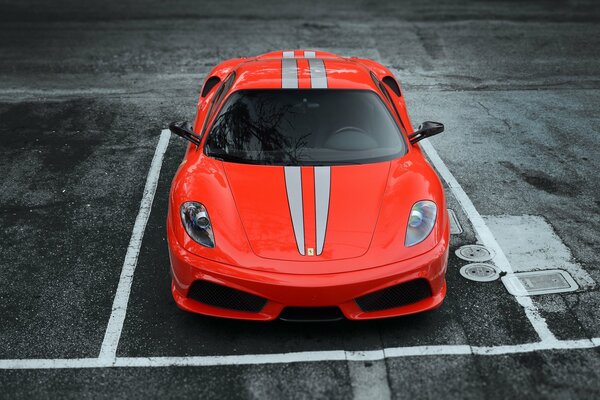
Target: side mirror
<point>426,129</point>
<point>184,129</point>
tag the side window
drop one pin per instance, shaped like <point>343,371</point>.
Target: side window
<point>209,85</point>
<point>385,93</point>
<point>392,84</point>
<point>223,90</point>
<point>219,95</point>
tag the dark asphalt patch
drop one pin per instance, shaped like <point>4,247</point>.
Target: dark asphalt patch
<point>585,307</point>
<point>73,174</point>
<point>439,377</point>
<point>547,375</point>
<point>313,10</point>
<point>541,180</point>
<point>561,320</point>
<point>325,380</point>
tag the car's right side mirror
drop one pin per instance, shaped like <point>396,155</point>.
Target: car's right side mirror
<point>426,129</point>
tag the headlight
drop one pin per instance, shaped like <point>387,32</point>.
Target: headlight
<point>197,224</point>
<point>420,222</point>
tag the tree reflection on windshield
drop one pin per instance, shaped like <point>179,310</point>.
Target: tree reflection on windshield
<point>304,127</point>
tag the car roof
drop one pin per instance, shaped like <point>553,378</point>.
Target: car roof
<point>265,71</point>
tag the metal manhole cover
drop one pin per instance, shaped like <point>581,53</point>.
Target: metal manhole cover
<point>455,228</point>
<point>539,282</point>
<point>480,272</point>
<point>474,253</point>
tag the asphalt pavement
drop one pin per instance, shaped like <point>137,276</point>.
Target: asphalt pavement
<point>86,89</point>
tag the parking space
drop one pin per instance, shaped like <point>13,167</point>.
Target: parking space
<point>81,114</point>
<point>70,191</point>
<point>155,327</point>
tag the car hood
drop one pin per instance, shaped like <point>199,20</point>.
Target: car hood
<point>308,213</point>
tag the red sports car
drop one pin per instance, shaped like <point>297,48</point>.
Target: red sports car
<point>304,196</point>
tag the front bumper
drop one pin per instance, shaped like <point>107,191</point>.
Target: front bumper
<point>288,290</point>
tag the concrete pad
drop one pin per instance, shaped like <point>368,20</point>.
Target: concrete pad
<point>369,380</point>
<point>531,244</point>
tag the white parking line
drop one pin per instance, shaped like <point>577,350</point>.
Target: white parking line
<point>108,351</point>
<point>487,239</point>
<point>307,356</point>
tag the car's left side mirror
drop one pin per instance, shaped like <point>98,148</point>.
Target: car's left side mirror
<point>427,129</point>
<point>184,129</point>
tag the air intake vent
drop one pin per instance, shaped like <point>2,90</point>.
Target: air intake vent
<point>216,295</point>
<point>395,296</point>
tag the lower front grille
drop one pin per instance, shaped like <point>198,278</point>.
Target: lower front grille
<point>395,296</point>
<point>311,314</point>
<point>220,296</point>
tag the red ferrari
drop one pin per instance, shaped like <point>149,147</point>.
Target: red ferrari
<point>303,195</point>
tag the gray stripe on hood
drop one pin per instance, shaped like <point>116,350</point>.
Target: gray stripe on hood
<point>293,186</point>
<point>322,190</point>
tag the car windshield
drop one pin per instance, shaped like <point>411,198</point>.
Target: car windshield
<point>304,127</point>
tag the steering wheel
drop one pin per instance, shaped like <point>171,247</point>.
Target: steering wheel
<point>349,129</point>
<point>350,138</point>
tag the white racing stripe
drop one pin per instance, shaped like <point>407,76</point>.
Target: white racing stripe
<point>322,192</point>
<point>108,351</point>
<point>307,356</point>
<point>322,175</point>
<point>289,73</point>
<point>293,187</point>
<point>293,175</point>
<point>318,76</point>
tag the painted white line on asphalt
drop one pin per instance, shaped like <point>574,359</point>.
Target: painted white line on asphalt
<point>108,351</point>
<point>427,350</point>
<point>307,356</point>
<point>369,355</point>
<point>246,359</point>
<point>487,239</point>
<point>540,346</point>
<point>56,363</point>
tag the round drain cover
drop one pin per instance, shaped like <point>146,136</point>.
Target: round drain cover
<point>475,253</point>
<point>480,272</point>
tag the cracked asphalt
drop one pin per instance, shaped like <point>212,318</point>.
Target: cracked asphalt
<point>85,89</point>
